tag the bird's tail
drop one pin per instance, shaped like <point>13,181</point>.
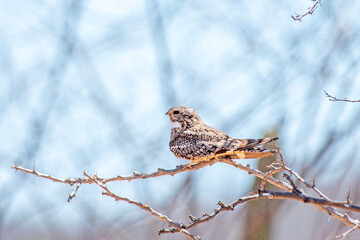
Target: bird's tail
<point>251,143</point>
<point>247,148</point>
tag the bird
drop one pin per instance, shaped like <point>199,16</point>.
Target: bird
<point>193,140</point>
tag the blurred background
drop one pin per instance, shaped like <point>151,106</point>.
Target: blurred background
<point>84,85</point>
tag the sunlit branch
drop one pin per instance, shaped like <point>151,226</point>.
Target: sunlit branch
<point>145,207</point>
<point>319,202</point>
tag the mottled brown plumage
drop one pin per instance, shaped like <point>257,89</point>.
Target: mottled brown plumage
<point>192,139</point>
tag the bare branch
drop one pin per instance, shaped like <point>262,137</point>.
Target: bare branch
<point>259,174</point>
<point>73,193</point>
<point>312,186</point>
<point>289,179</point>
<point>70,181</point>
<point>135,175</point>
<point>310,11</point>
<point>207,217</point>
<point>160,172</point>
<point>323,203</point>
<point>334,99</point>
<point>319,202</point>
<point>275,167</point>
<point>347,232</point>
<point>145,207</point>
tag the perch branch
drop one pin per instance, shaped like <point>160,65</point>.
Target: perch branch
<point>135,175</point>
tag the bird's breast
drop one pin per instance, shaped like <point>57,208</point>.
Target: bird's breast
<point>175,124</point>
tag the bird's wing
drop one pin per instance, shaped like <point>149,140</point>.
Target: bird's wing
<point>245,148</point>
<point>245,154</point>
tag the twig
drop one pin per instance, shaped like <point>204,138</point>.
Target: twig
<point>312,186</point>
<point>348,197</point>
<point>145,207</point>
<point>259,174</point>
<point>73,193</point>
<point>347,232</point>
<point>310,11</point>
<point>275,167</point>
<point>334,99</point>
<point>344,218</point>
<point>294,187</point>
<point>70,181</point>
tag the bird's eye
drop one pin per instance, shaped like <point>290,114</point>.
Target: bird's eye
<point>175,112</point>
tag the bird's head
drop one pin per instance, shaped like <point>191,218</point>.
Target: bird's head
<point>181,117</point>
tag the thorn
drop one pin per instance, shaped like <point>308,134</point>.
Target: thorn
<point>348,198</point>
<point>313,182</point>
<point>192,218</point>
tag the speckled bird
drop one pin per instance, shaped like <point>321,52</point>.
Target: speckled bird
<point>193,140</point>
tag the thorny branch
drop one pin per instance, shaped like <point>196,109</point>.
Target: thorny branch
<point>310,11</point>
<point>275,167</point>
<point>334,99</point>
<point>265,195</point>
<point>323,203</point>
<point>308,185</point>
<point>145,207</point>
<point>135,175</point>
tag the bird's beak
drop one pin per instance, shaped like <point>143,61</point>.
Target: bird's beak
<point>167,113</point>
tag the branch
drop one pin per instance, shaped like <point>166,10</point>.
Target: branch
<point>326,204</point>
<point>319,202</point>
<point>312,186</point>
<point>347,232</point>
<point>160,172</point>
<point>275,167</point>
<point>73,193</point>
<point>135,175</point>
<point>334,99</point>
<point>145,207</point>
<point>70,181</point>
<point>310,11</point>
<point>207,217</point>
<point>259,174</point>
<point>323,203</point>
